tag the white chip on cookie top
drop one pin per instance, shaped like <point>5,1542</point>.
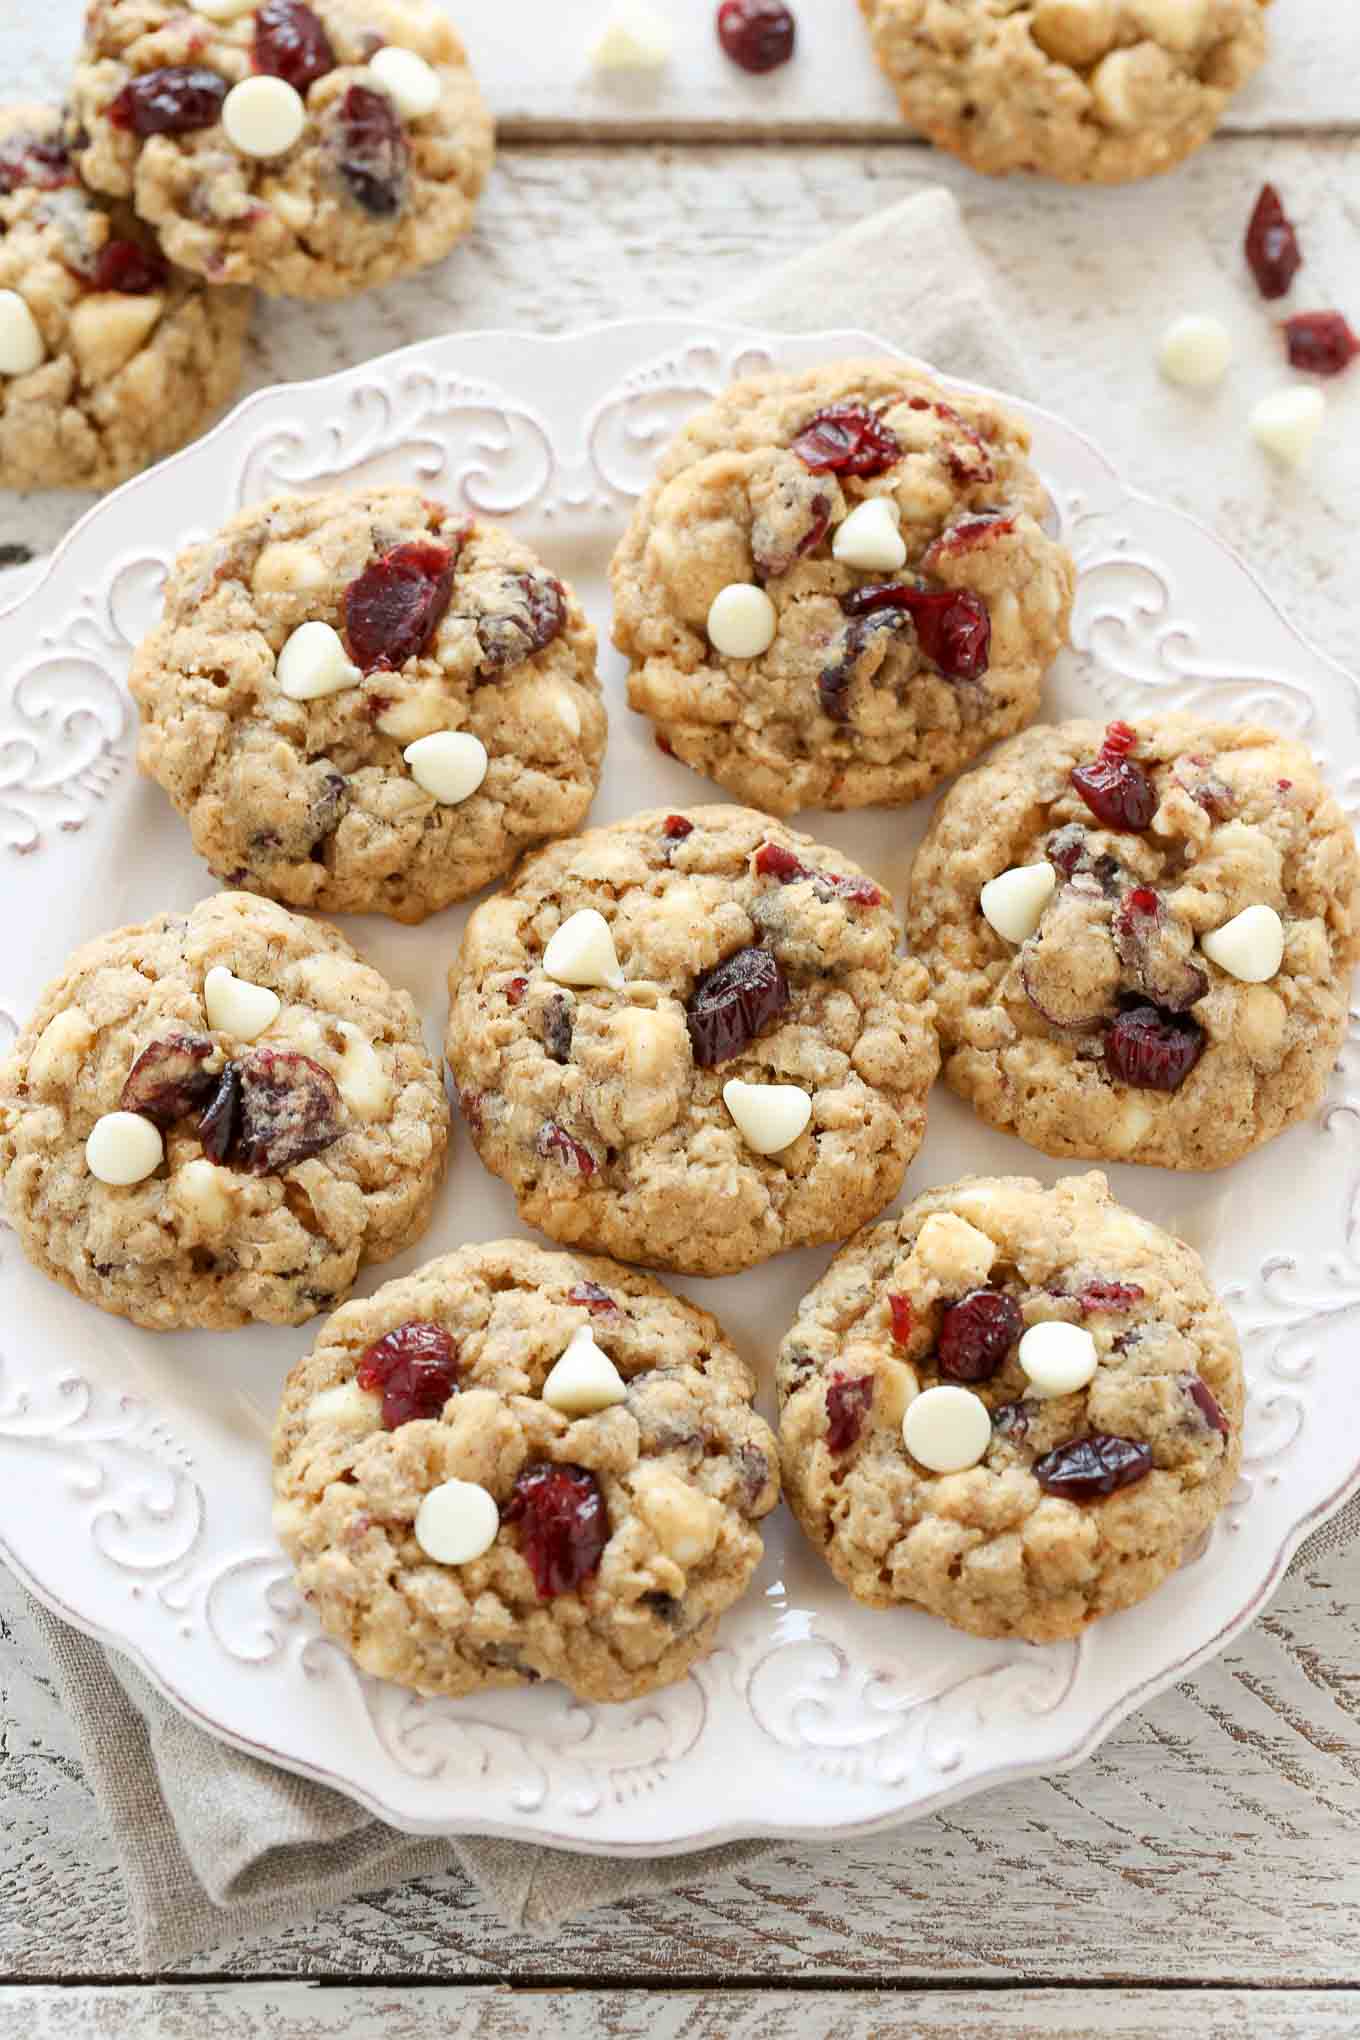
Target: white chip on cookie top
<point>409,82</point>
<point>947,1429</point>
<point>456,1522</point>
<point>263,116</point>
<point>1014,901</point>
<point>123,1148</point>
<point>314,663</point>
<point>347,1406</point>
<point>1250,947</point>
<point>22,348</point>
<point>1074,31</point>
<point>741,621</point>
<point>1195,352</point>
<point>584,1379</point>
<point>1057,1358</point>
<point>449,765</point>
<point>871,537</point>
<point>769,1117</point>
<point>1175,24</point>
<point>582,952</point>
<point>237,1007</point>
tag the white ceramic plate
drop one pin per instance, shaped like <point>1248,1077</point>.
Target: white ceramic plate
<point>134,1485</point>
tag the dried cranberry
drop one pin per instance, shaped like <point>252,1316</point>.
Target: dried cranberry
<point>558,1027</point>
<point>757,34</point>
<point>1011,1419</point>
<point>1273,251</point>
<point>396,605</point>
<point>733,1003</point>
<point>217,1127</point>
<point>847,1405</point>
<point>1102,1294</point>
<point>414,1368</point>
<point>1320,342</point>
<point>1153,1049</point>
<point>847,439</point>
<point>555,1144</point>
<point>33,160</point>
<point>173,101</point>
<point>515,990</point>
<point>129,267</point>
<point>976,1334</point>
<point>1117,791</point>
<point>372,151</point>
<point>597,1301</point>
<point>291,42</point>
<point>1087,1468</point>
<point>168,1078</point>
<point>833,682</point>
<point>565,1525</point>
<point>470,1105</point>
<point>1120,738</point>
<point>965,536</point>
<point>953,627</point>
<point>1206,1402</point>
<point>535,616</point>
<point>677,827</point>
<point>289,1109</point>
<point>902,1316</point>
<point>1066,848</point>
<point>774,861</point>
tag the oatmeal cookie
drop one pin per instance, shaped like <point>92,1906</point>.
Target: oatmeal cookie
<point>109,358</point>
<point>1016,1408</point>
<point>367,703</point>
<point>1141,940</point>
<point>1098,91</point>
<point>217,1117</point>
<point>838,589</point>
<point>315,150</point>
<point>518,1465</point>
<point>688,1039</point>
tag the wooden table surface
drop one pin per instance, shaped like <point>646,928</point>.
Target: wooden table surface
<point>1199,1876</point>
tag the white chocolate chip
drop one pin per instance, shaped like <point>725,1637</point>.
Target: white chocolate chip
<point>457,1521</point>
<point>1057,1358</point>
<point>1249,947</point>
<point>449,765</point>
<point>1195,352</point>
<point>202,1190</point>
<point>1074,31</point>
<point>1014,901</point>
<point>108,327</point>
<point>123,1148</point>
<point>582,951</point>
<point>947,1429</point>
<point>871,537</point>
<point>566,711</point>
<point>635,38</point>
<point>21,343</point>
<point>347,1406</point>
<point>286,568</point>
<point>952,1252</point>
<point>741,621</point>
<point>1175,24</point>
<point>410,83</point>
<point>263,116</point>
<point>1287,423</point>
<point>685,1522</point>
<point>768,1116</point>
<point>235,1006</point>
<point>584,1379</point>
<point>59,1049</point>
<point>1111,95</point>
<point>314,663</point>
<point>361,1080</point>
<point>418,714</point>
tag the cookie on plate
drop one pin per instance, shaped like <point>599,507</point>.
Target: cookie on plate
<point>1141,939</point>
<point>1014,1407</point>
<point>109,358</point>
<point>838,589</point>
<point>688,1039</point>
<point>365,702</point>
<point>314,150</point>
<point>517,1465</point>
<point>217,1117</point>
<point>1099,91</point>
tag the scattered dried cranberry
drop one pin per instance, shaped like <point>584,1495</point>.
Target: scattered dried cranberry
<point>555,1144</point>
<point>1273,251</point>
<point>757,34</point>
<point>565,1525</point>
<point>470,1105</point>
<point>976,1334</point>
<point>980,528</point>
<point>558,1027</point>
<point>1102,1294</point>
<point>733,1003</point>
<point>597,1301</point>
<point>1153,1049</point>
<point>1011,1419</point>
<point>536,615</point>
<point>173,101</point>
<point>1087,1468</point>
<point>847,1405</point>
<point>953,627</point>
<point>217,1127</point>
<point>1066,848</point>
<point>168,1078</point>
<point>1320,342</point>
<point>289,1109</point>
<point>1115,786</point>
<point>677,827</point>
<point>847,439</point>
<point>1206,1402</point>
<point>902,1316</point>
<point>372,151</point>
<point>515,990</point>
<point>774,861</point>
<point>1120,738</point>
<point>833,682</point>
<point>129,267</point>
<point>31,160</point>
<point>414,1367</point>
<point>396,605</point>
<point>291,42</point>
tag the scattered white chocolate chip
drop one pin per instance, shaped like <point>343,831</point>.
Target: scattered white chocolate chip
<point>582,952</point>
<point>108,327</point>
<point>741,621</point>
<point>314,663</point>
<point>235,1006</point>
<point>347,1406</point>
<point>584,1379</point>
<point>1249,947</point>
<point>566,711</point>
<point>1057,1358</point>
<point>410,83</point>
<point>286,568</point>
<point>59,1048</point>
<point>635,38</point>
<point>871,537</point>
<point>768,1116</point>
<point>685,1522</point>
<point>1074,31</point>
<point>1195,352</point>
<point>1175,24</point>
<point>947,1429</point>
<point>361,1080</point>
<point>21,344</point>
<point>1014,901</point>
<point>1111,89</point>
<point>448,764</point>
<point>123,1148</point>
<point>263,116</point>
<point>201,1190</point>
<point>1287,423</point>
<point>457,1521</point>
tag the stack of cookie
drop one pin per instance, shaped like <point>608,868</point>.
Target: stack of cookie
<point>305,147</point>
<point>688,1039</point>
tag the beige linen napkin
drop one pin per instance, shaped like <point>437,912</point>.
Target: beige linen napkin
<point>215,1846</point>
